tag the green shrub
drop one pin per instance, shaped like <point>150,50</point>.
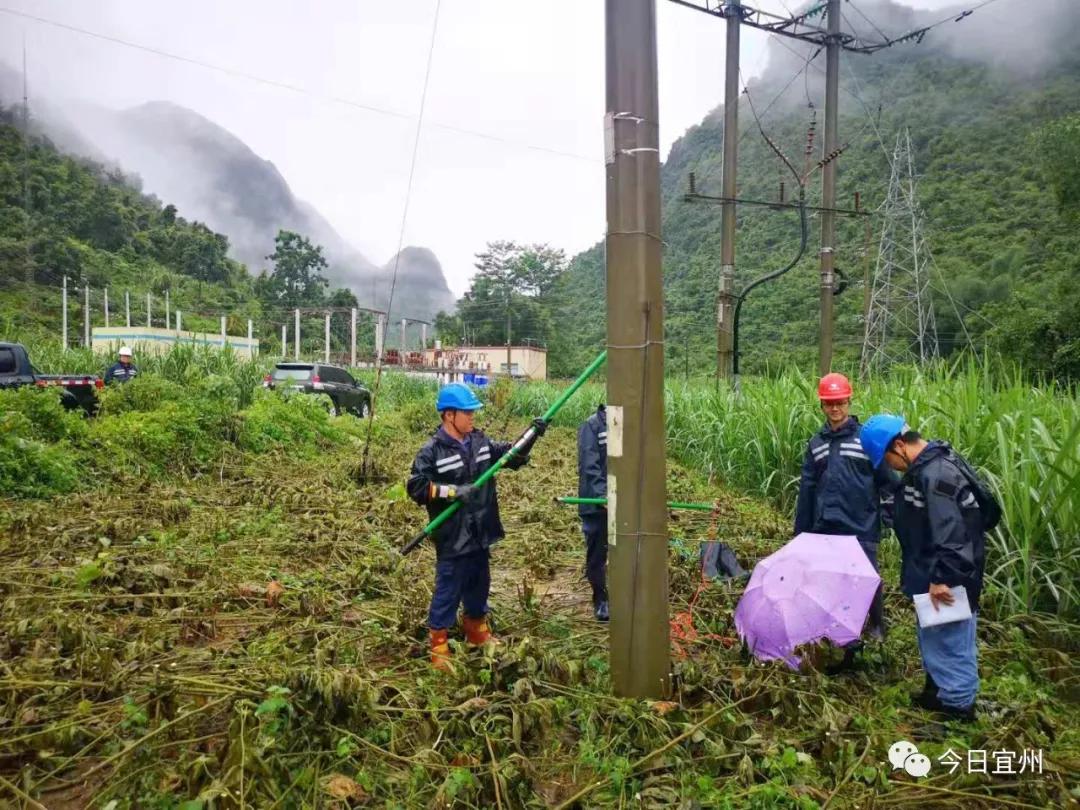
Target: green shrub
<point>30,468</point>
<point>176,437</point>
<point>48,419</point>
<point>300,423</point>
<point>145,393</point>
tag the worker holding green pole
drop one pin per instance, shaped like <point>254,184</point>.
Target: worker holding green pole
<point>451,476</point>
<point>446,471</point>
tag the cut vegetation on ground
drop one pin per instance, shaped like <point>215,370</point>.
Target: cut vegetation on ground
<point>209,612</point>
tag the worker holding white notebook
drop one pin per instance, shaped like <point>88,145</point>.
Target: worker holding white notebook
<point>942,514</point>
<point>931,614</point>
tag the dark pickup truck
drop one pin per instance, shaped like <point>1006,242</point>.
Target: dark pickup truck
<point>343,393</point>
<point>76,390</point>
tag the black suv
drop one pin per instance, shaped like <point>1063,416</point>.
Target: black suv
<point>345,394</point>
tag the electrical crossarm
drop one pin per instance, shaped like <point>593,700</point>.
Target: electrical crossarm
<point>514,451</point>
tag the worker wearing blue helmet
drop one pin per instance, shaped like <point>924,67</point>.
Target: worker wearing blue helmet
<point>942,513</point>
<point>442,472</point>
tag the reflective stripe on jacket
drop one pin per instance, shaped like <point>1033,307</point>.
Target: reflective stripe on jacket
<point>839,492</point>
<point>939,525</point>
<point>442,460</point>
<point>592,460</point>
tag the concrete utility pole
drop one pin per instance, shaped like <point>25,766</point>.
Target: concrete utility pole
<point>178,325</point>
<point>149,308</point>
<point>127,309</point>
<point>403,322</point>
<point>251,335</point>
<point>828,185</point>
<point>167,319</point>
<point>106,307</point>
<point>296,337</point>
<point>63,309</point>
<point>423,337</point>
<point>380,335</point>
<point>224,336</point>
<point>326,340</point>
<point>726,299</point>
<point>637,518</point>
<point>86,318</point>
<point>352,338</point>
<point>284,341</point>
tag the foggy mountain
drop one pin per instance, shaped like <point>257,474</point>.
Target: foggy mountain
<point>212,176</point>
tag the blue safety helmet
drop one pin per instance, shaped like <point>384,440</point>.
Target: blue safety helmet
<point>878,433</point>
<point>457,397</point>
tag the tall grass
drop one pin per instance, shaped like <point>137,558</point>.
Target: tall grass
<point>1024,439</point>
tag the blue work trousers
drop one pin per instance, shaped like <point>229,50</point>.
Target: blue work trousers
<point>949,656</point>
<point>594,527</point>
<point>460,581</point>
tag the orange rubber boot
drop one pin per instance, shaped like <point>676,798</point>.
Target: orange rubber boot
<point>477,632</point>
<point>440,650</point>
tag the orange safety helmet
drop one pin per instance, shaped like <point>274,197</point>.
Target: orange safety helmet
<point>833,388</point>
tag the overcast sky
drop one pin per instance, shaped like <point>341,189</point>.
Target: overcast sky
<point>528,74</point>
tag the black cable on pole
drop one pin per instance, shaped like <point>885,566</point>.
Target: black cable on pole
<point>803,239</point>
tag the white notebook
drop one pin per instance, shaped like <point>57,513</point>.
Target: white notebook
<point>945,614</point>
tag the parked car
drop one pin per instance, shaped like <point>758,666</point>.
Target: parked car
<point>76,390</point>
<point>343,393</point>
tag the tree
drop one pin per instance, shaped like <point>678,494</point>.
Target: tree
<point>511,280</point>
<point>296,280</point>
<point>1058,144</point>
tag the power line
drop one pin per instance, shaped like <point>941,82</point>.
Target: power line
<point>293,88</point>
<point>401,231</point>
<point>872,23</point>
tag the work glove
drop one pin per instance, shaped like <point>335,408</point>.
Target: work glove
<point>539,425</point>
<point>466,493</point>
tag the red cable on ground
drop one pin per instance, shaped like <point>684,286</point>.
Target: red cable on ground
<point>682,624</point>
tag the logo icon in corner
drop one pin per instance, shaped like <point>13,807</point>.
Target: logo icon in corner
<point>904,755</point>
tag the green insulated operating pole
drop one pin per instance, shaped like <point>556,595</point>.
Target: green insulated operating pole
<point>699,507</point>
<point>514,450</point>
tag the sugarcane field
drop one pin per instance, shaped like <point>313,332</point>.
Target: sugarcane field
<point>638,404</point>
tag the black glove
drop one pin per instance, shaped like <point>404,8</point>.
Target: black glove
<point>539,425</point>
<point>467,493</point>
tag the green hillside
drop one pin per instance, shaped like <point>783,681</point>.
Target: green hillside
<point>992,151</point>
<point>94,226</point>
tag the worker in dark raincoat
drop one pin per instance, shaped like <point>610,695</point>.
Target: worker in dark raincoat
<point>592,483</point>
<point>444,471</point>
<point>841,492</point>
<point>943,512</point>
<point>123,370</point>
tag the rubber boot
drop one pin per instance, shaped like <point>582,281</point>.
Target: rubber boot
<point>600,603</point>
<point>927,695</point>
<point>440,650</point>
<point>477,632</point>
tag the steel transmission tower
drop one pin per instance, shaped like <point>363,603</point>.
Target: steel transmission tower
<point>900,323</point>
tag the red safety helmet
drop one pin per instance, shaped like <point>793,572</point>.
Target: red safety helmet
<point>834,388</point>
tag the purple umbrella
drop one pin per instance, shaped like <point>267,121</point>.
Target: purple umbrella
<point>817,586</point>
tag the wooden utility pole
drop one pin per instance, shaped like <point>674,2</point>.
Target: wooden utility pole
<point>637,518</point>
<point>828,185</point>
<point>726,299</point>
